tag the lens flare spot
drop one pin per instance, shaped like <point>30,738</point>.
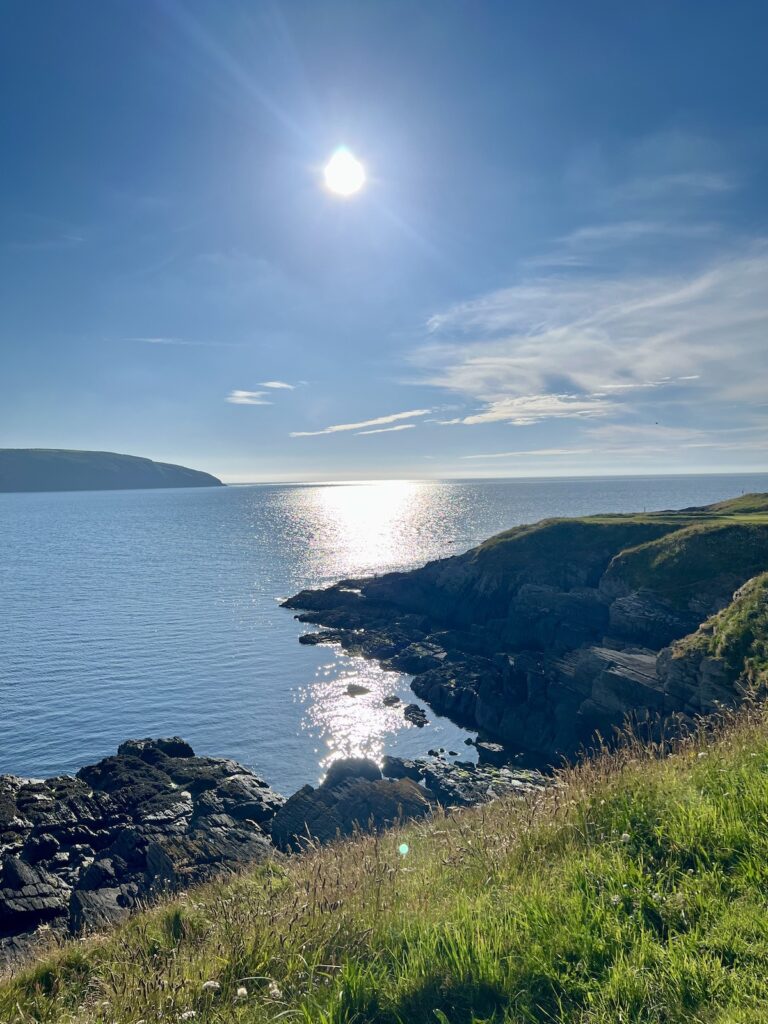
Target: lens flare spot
<point>403,849</point>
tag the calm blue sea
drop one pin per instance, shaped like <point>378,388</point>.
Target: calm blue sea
<point>136,613</point>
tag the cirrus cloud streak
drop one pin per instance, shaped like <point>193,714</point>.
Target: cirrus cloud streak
<point>361,427</point>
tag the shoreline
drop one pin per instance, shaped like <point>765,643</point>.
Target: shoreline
<point>81,852</point>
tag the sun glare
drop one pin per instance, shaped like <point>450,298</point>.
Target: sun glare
<point>344,174</point>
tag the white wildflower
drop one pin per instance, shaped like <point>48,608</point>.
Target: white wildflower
<point>701,753</point>
<point>211,986</point>
<point>189,1015</point>
<point>274,990</point>
<point>625,837</point>
<point>242,992</point>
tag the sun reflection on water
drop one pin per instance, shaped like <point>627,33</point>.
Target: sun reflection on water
<point>366,526</point>
<point>356,529</point>
<point>353,726</point>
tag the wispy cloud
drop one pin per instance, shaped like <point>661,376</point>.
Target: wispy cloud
<point>558,347</point>
<point>529,409</point>
<point>248,398</point>
<point>360,427</point>
<point>531,453</point>
<point>685,183</point>
<point>277,385</point>
<point>387,430</point>
<point>586,246</point>
<point>758,445</point>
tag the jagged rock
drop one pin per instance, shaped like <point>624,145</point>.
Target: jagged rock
<point>415,715</point>
<point>356,690</point>
<point>643,618</point>
<point>351,768</point>
<point>152,750</point>
<point>99,908</point>
<point>391,700</point>
<point>29,896</point>
<point>81,852</point>
<point>492,753</point>
<point>401,768</point>
<point>323,636</point>
<point>464,783</point>
<point>418,657</point>
<point>344,802</point>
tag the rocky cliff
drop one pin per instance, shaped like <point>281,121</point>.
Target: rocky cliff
<point>547,636</point>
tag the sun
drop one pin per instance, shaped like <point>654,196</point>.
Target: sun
<point>344,174</point>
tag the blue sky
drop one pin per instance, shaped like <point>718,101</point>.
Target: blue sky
<point>559,263</point>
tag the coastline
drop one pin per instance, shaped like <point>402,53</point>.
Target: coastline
<point>542,633</point>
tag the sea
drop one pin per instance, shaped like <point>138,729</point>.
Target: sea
<point>157,612</point>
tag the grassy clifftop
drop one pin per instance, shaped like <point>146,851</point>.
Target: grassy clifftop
<point>634,893</point>
<point>696,561</point>
<point>738,635</point>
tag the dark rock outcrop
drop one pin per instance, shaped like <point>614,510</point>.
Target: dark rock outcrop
<point>415,715</point>
<point>352,796</point>
<point>548,637</point>
<point>463,783</point>
<point>80,852</point>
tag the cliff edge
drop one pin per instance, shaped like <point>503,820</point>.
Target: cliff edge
<point>549,636</point>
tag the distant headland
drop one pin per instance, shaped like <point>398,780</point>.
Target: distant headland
<point>55,469</point>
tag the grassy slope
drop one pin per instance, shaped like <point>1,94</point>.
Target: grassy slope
<point>690,558</point>
<point>738,635</point>
<point>696,560</point>
<point>639,892</point>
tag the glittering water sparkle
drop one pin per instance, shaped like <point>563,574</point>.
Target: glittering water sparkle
<point>138,613</point>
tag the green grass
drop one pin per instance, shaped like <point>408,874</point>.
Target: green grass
<point>638,892</point>
<point>696,561</point>
<point>681,556</point>
<point>738,635</point>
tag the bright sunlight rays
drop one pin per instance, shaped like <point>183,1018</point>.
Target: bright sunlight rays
<point>344,174</point>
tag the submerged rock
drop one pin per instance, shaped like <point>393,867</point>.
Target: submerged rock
<point>356,690</point>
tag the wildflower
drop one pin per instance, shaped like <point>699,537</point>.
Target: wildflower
<point>274,991</point>
<point>625,837</point>
<point>189,1015</point>
<point>701,753</point>
<point>242,992</point>
<point>211,986</point>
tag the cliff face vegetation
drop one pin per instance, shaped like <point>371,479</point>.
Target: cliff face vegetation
<point>547,636</point>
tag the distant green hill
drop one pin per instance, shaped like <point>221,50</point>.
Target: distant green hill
<point>54,469</point>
